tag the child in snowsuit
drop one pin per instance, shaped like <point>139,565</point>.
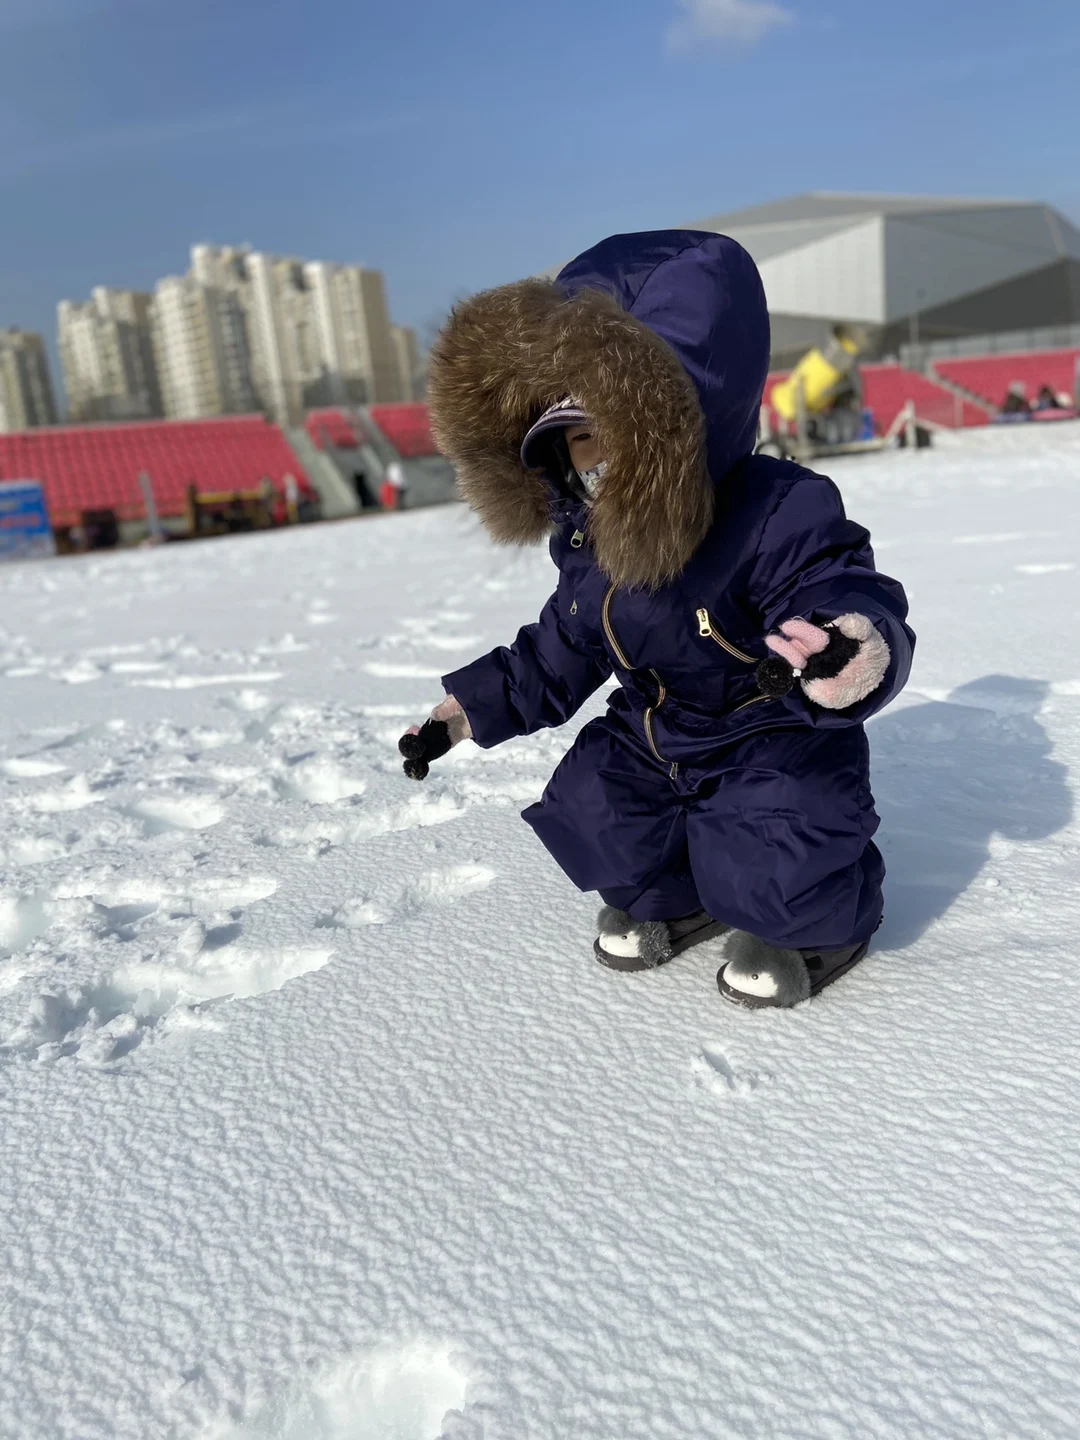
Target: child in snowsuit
<point>615,411</point>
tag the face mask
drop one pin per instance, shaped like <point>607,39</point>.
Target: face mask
<point>590,479</point>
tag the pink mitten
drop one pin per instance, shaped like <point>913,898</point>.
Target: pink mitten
<point>838,664</point>
<point>446,727</point>
<point>457,722</point>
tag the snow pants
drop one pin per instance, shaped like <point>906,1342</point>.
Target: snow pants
<point>773,836</point>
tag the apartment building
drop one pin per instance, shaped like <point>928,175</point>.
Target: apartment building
<point>26,393</point>
<point>201,346</point>
<point>319,333</point>
<point>107,356</point>
<point>225,268</point>
<point>409,364</point>
<point>355,335</point>
<point>244,330</point>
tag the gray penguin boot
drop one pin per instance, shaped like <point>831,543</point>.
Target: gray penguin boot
<point>761,976</point>
<point>628,944</point>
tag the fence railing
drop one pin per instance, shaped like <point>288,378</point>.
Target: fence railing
<point>1007,342</point>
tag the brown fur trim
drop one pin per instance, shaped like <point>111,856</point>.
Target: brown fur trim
<point>506,355</point>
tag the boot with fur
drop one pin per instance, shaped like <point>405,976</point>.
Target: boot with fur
<point>759,976</point>
<point>628,944</point>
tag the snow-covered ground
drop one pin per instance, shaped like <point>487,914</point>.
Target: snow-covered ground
<point>320,1121</point>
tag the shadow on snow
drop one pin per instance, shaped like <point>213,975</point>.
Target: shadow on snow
<point>949,776</point>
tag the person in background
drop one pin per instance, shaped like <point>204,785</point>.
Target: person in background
<point>1016,401</point>
<point>292,499</point>
<point>1047,400</point>
<point>392,494</point>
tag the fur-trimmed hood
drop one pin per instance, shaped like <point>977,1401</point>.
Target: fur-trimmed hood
<point>663,337</point>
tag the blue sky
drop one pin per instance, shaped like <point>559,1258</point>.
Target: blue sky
<point>457,145</point>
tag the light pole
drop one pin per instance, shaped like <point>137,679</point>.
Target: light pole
<point>913,323</point>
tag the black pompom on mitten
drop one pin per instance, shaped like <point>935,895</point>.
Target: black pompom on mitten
<point>776,676</point>
<point>430,742</point>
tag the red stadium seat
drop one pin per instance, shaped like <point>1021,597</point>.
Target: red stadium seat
<point>888,388</point>
<point>407,427</point>
<point>991,375</point>
<point>335,428</point>
<point>97,466</point>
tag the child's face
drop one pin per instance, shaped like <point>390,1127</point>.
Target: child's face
<point>585,452</point>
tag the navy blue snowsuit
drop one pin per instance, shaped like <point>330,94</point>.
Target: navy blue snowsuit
<point>693,790</point>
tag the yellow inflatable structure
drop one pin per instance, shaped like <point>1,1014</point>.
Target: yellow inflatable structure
<point>821,374</point>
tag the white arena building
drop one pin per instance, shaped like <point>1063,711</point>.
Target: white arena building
<point>908,268</point>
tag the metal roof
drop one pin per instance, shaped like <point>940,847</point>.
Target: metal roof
<point>836,205</point>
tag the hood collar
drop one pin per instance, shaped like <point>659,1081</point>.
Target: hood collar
<point>662,339</point>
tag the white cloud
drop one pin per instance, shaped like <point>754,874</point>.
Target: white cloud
<point>728,24</point>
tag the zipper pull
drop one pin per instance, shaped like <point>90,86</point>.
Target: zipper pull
<point>704,623</point>
<point>577,539</point>
<point>573,608</point>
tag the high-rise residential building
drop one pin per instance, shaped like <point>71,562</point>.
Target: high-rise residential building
<point>285,328</point>
<point>355,338</point>
<point>319,333</point>
<point>225,268</point>
<point>201,343</point>
<point>107,355</point>
<point>26,393</point>
<point>407,354</point>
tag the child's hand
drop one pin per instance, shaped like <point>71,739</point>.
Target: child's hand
<point>837,665</point>
<point>421,744</point>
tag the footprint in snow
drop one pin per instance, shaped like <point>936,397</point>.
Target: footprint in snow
<point>160,814</point>
<point>318,782</point>
<point>713,1071</point>
<point>199,893</point>
<point>193,953</point>
<point>33,850</point>
<point>109,1018</point>
<point>404,1391</point>
<point>75,795</point>
<point>434,889</point>
<point>416,813</point>
<point>23,918</point>
<point>31,767</point>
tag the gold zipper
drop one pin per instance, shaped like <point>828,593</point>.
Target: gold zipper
<point>705,627</point>
<point>620,655</point>
<point>673,768</point>
<point>605,616</point>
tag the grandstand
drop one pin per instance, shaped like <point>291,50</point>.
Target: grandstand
<point>334,430</point>
<point>888,388</point>
<point>956,393</point>
<point>407,428</point>
<point>97,467</point>
<point>87,469</point>
<point>989,376</point>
